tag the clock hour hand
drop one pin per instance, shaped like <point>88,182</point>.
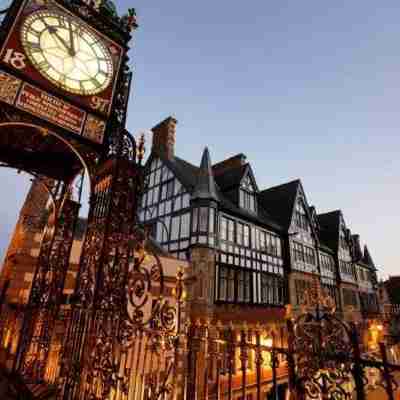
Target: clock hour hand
<point>71,39</point>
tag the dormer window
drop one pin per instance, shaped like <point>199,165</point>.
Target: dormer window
<point>247,196</point>
<point>342,239</point>
<point>301,216</point>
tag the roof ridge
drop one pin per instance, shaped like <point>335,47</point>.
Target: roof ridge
<point>298,180</point>
<point>330,212</point>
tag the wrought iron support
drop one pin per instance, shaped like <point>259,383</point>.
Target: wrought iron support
<point>259,362</point>
<point>358,370</point>
<point>386,372</point>
<point>274,365</point>
<point>194,347</point>
<point>89,357</point>
<point>244,357</point>
<point>47,290</point>
<point>290,357</point>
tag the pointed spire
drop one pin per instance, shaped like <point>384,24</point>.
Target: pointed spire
<point>205,185</point>
<point>367,257</point>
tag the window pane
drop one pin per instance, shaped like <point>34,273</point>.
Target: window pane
<point>185,224</point>
<point>224,228</point>
<point>175,228</point>
<point>212,220</point>
<point>195,219</point>
<point>239,233</point>
<point>185,200</point>
<point>246,236</point>
<point>231,230</point>
<point>241,198</point>
<point>203,219</point>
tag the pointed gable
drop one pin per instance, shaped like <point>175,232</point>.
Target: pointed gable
<point>279,202</point>
<point>205,185</point>
<point>302,216</point>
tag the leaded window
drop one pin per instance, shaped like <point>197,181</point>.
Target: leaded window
<point>327,265</point>
<point>301,287</point>
<point>203,225</point>
<point>330,287</point>
<point>304,257</point>
<point>164,207</point>
<point>226,284</point>
<point>349,297</point>
<point>347,270</point>
<point>247,195</point>
<point>272,289</point>
<point>300,216</point>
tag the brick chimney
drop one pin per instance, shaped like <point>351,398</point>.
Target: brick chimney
<point>229,163</point>
<point>164,138</point>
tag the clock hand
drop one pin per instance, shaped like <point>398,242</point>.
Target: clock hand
<point>53,31</point>
<point>71,39</point>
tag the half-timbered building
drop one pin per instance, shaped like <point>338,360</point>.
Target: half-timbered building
<point>252,248</point>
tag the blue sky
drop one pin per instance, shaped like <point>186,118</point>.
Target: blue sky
<point>306,90</point>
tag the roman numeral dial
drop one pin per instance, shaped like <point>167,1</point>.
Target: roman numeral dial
<point>67,53</point>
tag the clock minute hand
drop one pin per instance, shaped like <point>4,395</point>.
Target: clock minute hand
<point>53,31</point>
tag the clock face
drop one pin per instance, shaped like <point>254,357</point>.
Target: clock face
<point>67,53</point>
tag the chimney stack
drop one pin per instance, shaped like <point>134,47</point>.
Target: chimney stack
<point>164,138</point>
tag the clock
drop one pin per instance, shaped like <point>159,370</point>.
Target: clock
<point>66,52</point>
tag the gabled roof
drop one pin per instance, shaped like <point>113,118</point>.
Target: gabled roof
<point>279,201</point>
<point>231,178</point>
<point>188,174</point>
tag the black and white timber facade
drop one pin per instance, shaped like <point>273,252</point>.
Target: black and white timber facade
<point>268,245</point>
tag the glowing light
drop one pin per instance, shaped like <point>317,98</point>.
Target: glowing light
<point>67,53</point>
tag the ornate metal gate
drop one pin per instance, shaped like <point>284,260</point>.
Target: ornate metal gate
<point>330,362</point>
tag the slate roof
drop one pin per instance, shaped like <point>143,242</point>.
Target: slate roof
<point>184,171</point>
<point>279,201</point>
<point>231,178</point>
<point>188,173</point>
<point>329,228</point>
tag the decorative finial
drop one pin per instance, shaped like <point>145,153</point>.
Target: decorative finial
<point>141,149</point>
<point>130,20</point>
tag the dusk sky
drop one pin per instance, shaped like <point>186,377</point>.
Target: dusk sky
<point>306,89</point>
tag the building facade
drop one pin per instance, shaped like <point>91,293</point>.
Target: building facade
<point>251,248</point>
